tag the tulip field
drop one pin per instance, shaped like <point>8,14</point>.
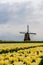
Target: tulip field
<point>21,54</point>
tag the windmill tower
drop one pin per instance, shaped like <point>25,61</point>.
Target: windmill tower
<point>27,34</point>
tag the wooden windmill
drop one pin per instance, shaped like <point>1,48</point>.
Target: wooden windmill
<point>27,34</point>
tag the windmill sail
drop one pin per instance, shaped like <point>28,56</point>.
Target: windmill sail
<point>28,28</point>
<point>22,32</point>
<point>32,33</point>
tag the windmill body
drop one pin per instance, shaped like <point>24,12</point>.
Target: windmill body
<point>27,34</point>
<point>26,37</point>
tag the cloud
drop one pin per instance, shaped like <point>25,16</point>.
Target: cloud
<point>12,1</point>
<point>15,12</point>
<point>15,17</point>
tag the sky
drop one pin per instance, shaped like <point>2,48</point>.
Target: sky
<point>15,15</point>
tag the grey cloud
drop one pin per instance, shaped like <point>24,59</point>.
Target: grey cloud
<point>4,15</point>
<point>18,12</point>
<point>41,6</point>
<point>12,37</point>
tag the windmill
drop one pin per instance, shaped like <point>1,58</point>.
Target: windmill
<point>27,34</point>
